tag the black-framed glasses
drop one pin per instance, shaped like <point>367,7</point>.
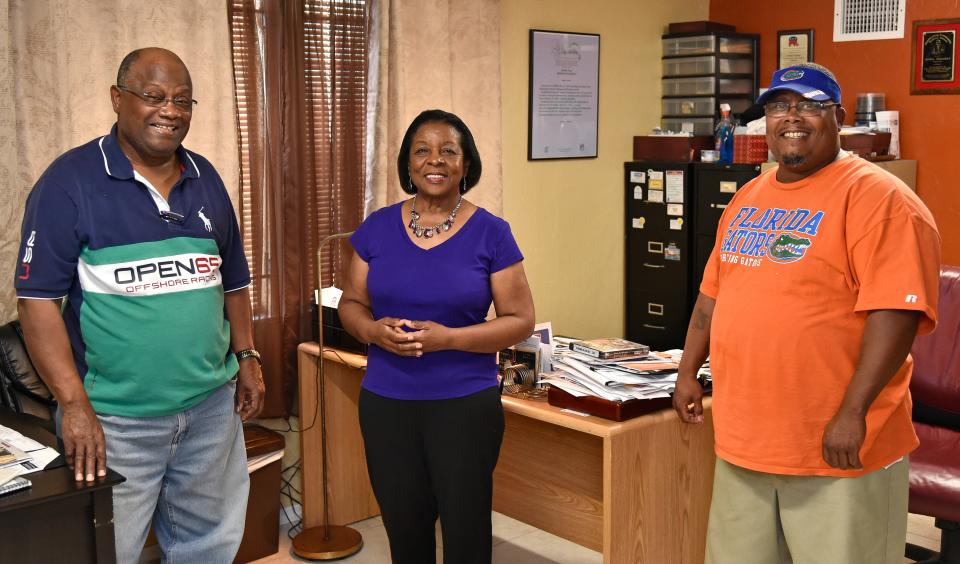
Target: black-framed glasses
<point>182,103</point>
<point>808,108</point>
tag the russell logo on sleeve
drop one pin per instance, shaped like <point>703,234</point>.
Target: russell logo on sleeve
<point>28,256</point>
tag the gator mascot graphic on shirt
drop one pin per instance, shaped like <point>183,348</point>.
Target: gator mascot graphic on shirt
<point>787,248</point>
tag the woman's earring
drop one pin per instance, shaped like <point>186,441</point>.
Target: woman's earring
<point>463,185</point>
<point>410,184</point>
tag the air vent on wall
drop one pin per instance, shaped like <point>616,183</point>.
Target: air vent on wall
<point>857,20</point>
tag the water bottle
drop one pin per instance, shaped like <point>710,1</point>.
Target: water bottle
<point>723,135</point>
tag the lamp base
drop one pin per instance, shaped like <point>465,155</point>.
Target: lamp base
<point>342,542</point>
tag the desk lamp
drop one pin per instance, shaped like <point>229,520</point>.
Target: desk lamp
<point>328,542</point>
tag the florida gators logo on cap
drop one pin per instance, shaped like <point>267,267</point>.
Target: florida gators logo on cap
<point>792,74</point>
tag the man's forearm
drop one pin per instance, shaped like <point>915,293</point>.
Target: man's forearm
<point>240,316</point>
<point>49,348</point>
<point>696,348</point>
<point>887,338</point>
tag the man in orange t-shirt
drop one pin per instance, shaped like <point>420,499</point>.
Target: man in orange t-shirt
<point>824,270</point>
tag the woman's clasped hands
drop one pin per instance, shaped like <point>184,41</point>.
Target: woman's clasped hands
<point>410,338</point>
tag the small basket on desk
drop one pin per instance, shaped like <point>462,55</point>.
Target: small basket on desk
<point>749,149</point>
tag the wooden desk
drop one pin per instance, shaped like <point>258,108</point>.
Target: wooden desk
<point>637,491</point>
<point>57,519</point>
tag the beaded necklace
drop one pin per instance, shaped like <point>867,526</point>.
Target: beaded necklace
<point>428,232</point>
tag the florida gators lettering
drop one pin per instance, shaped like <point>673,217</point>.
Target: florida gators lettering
<point>780,235</point>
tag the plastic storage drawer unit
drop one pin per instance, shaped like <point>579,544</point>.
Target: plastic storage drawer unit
<point>736,66</point>
<point>688,106</point>
<point>689,66</point>
<point>736,86</point>
<point>736,45</point>
<point>688,86</point>
<point>700,44</point>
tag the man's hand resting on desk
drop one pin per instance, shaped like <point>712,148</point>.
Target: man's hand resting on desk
<point>688,399</point>
<point>83,443</point>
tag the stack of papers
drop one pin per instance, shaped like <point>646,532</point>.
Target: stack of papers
<point>654,376</point>
<point>23,455</point>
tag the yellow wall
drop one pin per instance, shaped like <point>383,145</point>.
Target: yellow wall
<point>567,216</point>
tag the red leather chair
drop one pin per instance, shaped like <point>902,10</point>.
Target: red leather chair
<point>935,465</point>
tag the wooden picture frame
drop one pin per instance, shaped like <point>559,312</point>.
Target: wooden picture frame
<point>794,46</point>
<point>563,103</point>
<point>934,57</point>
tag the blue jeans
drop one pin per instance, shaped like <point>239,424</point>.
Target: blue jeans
<point>188,473</point>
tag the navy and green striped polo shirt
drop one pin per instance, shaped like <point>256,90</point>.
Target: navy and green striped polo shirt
<point>145,309</point>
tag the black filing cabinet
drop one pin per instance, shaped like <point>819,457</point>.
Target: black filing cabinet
<point>659,227</point>
<point>714,186</point>
<point>672,212</point>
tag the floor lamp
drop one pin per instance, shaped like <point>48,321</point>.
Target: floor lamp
<point>327,542</point>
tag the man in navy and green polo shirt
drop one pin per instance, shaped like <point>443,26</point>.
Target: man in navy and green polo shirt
<point>151,357</point>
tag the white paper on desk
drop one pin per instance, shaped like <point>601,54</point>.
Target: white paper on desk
<point>570,387</point>
<point>8,473</point>
<point>588,378</point>
<point>41,458</point>
<point>625,378</point>
<point>17,440</point>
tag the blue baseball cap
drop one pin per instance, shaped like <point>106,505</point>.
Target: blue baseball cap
<point>809,82</point>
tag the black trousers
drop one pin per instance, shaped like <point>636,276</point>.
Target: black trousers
<point>430,459</point>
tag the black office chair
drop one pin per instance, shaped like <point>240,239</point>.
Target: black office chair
<point>21,388</point>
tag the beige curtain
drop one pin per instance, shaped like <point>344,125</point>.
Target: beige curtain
<point>57,61</point>
<point>435,54</point>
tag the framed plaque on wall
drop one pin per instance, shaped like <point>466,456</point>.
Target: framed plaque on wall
<point>794,46</point>
<point>934,54</point>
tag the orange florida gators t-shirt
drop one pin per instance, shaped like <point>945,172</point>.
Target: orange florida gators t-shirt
<point>795,271</point>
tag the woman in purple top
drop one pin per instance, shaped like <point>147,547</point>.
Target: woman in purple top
<point>420,286</point>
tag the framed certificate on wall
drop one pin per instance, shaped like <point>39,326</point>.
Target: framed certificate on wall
<point>794,46</point>
<point>563,96</point>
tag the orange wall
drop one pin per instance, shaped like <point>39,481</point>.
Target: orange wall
<point>929,124</point>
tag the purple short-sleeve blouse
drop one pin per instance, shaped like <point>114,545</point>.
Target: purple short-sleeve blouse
<point>448,284</point>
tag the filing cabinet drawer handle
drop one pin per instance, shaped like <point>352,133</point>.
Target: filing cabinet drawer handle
<point>648,265</point>
<point>719,206</point>
<point>648,326</point>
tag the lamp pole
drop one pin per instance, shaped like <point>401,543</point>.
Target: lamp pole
<point>328,542</point>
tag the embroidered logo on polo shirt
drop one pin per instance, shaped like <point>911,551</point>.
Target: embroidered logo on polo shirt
<point>206,220</point>
<point>28,256</point>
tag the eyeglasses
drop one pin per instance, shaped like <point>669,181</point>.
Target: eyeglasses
<point>806,108</point>
<point>172,217</point>
<point>183,103</point>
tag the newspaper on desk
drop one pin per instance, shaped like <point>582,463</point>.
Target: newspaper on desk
<point>653,376</point>
<point>31,456</point>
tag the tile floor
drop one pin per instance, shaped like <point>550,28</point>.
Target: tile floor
<point>518,543</point>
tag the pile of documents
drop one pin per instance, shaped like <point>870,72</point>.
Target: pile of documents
<point>21,455</point>
<point>653,376</point>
